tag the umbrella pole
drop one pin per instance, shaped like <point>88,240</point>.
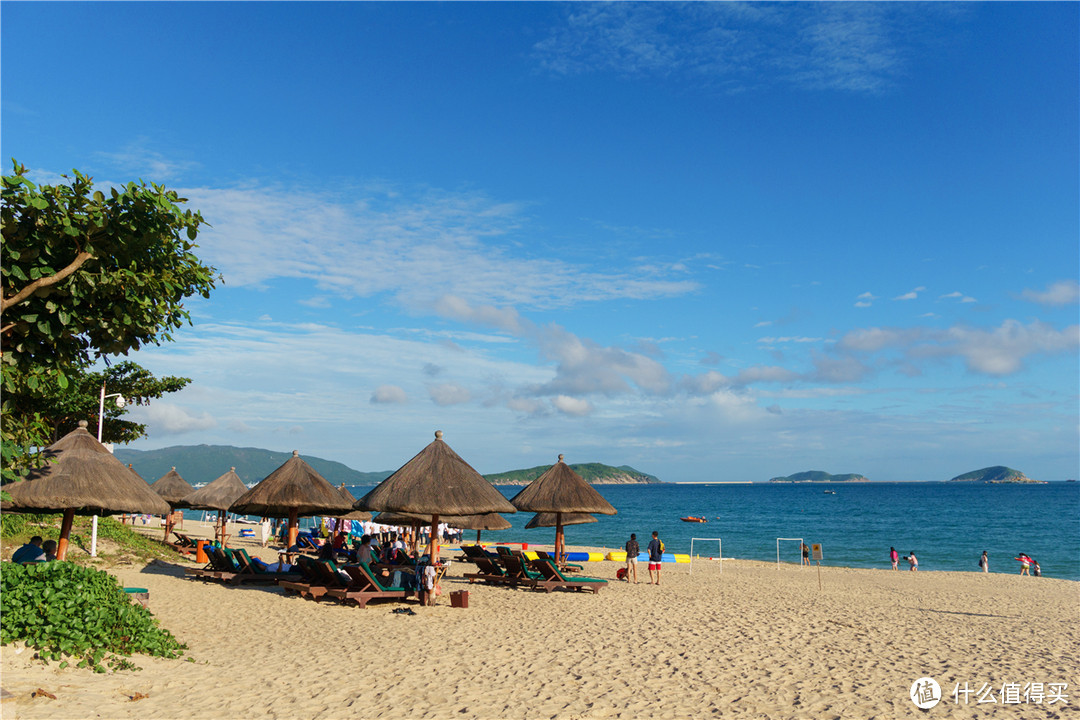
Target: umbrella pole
<point>294,526</point>
<point>559,540</point>
<point>478,537</point>
<point>221,530</point>
<point>433,547</point>
<point>65,531</point>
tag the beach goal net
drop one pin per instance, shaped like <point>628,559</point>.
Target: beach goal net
<point>707,545</point>
<point>787,549</point>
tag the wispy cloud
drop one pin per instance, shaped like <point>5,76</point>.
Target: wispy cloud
<point>1063,292</point>
<point>418,247</point>
<point>865,300</point>
<point>996,351</point>
<point>854,47</point>
<point>137,158</point>
<point>956,295</point>
<point>911,295</point>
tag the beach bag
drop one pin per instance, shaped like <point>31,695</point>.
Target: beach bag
<point>661,546</point>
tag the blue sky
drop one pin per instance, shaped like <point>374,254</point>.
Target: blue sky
<point>711,241</point>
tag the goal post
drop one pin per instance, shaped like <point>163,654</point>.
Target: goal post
<point>719,551</point>
<point>798,540</point>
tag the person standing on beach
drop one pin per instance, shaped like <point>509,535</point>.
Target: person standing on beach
<point>805,554</point>
<point>913,561</point>
<point>632,550</point>
<point>656,556</point>
<point>895,557</point>
<point>1025,563</point>
<point>984,562</point>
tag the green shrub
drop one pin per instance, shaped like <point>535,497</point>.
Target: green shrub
<point>63,609</point>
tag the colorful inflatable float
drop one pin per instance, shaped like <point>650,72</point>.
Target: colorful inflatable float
<point>644,557</point>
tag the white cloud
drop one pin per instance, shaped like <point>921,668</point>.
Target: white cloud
<point>572,406</point>
<point>449,394</point>
<point>956,295</point>
<point>998,351</point>
<point>138,159</point>
<point>865,300</point>
<point>1063,292</point>
<point>426,249</point>
<point>162,418</point>
<point>388,395</point>
<point>911,295</point>
<point>852,47</point>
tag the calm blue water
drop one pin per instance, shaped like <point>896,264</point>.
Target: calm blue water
<point>948,525</point>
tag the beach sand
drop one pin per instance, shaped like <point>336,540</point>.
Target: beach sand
<point>751,641</point>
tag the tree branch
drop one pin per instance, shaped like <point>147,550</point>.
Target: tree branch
<point>33,287</point>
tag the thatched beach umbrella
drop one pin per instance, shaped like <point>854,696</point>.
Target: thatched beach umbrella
<point>80,476</point>
<point>293,490</point>
<point>560,490</point>
<point>218,495</point>
<point>435,482</point>
<point>541,520</point>
<point>173,489</point>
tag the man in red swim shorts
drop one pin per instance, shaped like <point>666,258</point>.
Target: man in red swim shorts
<point>656,554</point>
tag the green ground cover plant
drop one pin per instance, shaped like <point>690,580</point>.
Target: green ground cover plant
<point>70,613</point>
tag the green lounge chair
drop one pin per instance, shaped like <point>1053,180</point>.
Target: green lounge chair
<point>366,586</point>
<point>553,579</point>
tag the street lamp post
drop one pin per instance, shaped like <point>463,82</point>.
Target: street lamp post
<point>120,402</point>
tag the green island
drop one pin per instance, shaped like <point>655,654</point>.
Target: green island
<point>205,463</point>
<point>817,476</point>
<point>996,474</point>
<point>593,473</point>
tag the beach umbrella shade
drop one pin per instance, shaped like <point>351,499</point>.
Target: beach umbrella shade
<point>541,520</point>
<point>560,490</point>
<point>173,489</point>
<point>218,495</point>
<point>293,490</point>
<point>435,482</point>
<point>81,477</point>
<point>355,515</point>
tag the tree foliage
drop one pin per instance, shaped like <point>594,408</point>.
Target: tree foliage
<point>85,274</point>
<point>62,409</point>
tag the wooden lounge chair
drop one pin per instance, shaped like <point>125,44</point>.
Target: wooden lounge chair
<point>553,579</point>
<point>313,579</point>
<point>489,571</point>
<point>249,572</point>
<point>366,586</point>
<point>519,572</point>
<point>472,552</point>
<point>184,544</point>
<point>221,566</point>
<point>563,566</point>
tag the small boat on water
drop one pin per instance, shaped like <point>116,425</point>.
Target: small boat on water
<point>830,492</point>
<point>692,518</point>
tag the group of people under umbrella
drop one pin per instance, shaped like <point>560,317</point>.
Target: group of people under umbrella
<point>80,476</point>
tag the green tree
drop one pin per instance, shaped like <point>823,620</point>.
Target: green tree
<point>62,409</point>
<point>85,274</point>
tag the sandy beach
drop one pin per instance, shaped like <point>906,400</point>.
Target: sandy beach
<point>751,641</point>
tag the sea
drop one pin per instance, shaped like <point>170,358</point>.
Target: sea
<point>947,525</point>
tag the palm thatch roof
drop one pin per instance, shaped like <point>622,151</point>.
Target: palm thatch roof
<point>81,475</point>
<point>295,487</point>
<point>549,520</point>
<point>172,488</point>
<point>486,521</point>
<point>361,515</point>
<point>436,482</point>
<point>560,489</point>
<point>218,495</point>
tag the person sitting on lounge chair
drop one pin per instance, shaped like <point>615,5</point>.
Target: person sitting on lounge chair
<point>281,565</point>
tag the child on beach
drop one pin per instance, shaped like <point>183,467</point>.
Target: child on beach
<point>913,561</point>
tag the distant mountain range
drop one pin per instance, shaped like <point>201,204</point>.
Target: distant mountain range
<point>594,473</point>
<point>994,475</point>
<point>205,463</point>
<point>817,476</point>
